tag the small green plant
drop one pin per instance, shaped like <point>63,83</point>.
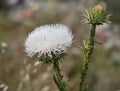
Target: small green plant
<point>94,16</point>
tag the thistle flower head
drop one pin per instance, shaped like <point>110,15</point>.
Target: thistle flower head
<point>96,15</point>
<point>49,42</point>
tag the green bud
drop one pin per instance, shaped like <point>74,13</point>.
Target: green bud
<point>96,15</point>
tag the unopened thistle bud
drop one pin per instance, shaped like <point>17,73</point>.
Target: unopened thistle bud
<point>96,15</point>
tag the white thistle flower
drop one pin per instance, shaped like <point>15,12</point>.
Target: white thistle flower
<point>48,40</point>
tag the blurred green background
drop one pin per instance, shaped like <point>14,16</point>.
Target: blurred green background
<point>21,73</point>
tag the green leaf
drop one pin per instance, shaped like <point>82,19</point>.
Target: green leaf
<point>85,44</point>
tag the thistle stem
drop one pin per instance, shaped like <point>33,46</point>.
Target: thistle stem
<point>58,78</point>
<point>87,53</point>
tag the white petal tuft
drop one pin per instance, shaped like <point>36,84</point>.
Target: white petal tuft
<point>45,39</point>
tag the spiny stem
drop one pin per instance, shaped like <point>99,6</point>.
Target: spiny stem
<point>87,53</point>
<point>58,78</point>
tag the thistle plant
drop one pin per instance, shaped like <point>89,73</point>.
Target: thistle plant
<point>94,16</point>
<point>49,43</point>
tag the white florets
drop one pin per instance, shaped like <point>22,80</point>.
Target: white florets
<point>48,39</point>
